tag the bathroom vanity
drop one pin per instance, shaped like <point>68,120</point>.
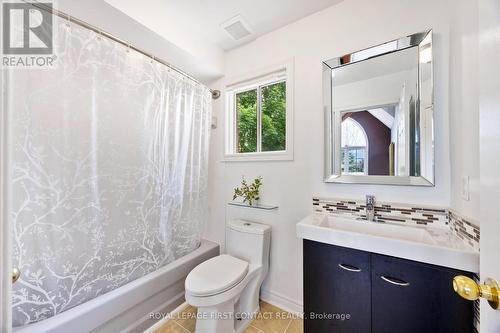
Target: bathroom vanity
<point>384,267</point>
<point>364,276</point>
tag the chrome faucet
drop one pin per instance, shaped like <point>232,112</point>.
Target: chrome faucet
<point>370,208</point>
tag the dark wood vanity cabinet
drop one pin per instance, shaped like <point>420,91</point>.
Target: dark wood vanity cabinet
<point>418,298</point>
<point>380,294</point>
<point>336,281</point>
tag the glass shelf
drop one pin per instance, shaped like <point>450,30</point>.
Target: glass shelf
<point>256,206</point>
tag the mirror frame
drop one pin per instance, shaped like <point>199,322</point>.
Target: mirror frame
<point>332,135</point>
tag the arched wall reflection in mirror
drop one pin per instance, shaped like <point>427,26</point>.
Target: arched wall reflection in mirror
<point>378,106</point>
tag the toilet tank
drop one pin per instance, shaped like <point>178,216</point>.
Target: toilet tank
<point>249,241</point>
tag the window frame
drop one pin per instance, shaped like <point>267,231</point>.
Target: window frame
<point>256,81</point>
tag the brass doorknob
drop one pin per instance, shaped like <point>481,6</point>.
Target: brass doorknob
<point>16,274</point>
<point>470,290</point>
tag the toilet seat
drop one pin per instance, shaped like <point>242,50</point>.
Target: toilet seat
<point>216,275</point>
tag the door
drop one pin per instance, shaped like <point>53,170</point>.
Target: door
<point>336,283</point>
<point>413,297</point>
<point>489,142</point>
<point>397,296</point>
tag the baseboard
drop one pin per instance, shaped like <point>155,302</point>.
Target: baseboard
<point>162,321</point>
<point>281,302</point>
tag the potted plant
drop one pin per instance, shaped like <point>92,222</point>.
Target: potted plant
<point>249,192</point>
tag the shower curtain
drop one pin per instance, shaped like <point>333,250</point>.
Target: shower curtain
<point>109,171</point>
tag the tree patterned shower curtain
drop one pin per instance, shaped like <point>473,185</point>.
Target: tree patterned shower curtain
<point>109,171</point>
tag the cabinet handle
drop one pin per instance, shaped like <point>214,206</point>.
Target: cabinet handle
<point>394,281</point>
<point>350,268</point>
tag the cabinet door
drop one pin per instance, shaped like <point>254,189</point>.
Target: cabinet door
<point>412,297</point>
<point>336,285</point>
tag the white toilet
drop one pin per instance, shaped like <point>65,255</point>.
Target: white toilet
<point>225,289</point>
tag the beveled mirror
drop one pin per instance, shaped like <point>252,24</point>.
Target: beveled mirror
<point>378,106</point>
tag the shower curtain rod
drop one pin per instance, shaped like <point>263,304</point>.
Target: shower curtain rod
<point>69,18</point>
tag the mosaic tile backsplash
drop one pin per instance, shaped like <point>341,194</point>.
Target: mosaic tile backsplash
<point>404,213</point>
<point>464,229</point>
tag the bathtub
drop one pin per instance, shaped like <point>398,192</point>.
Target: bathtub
<point>128,308</point>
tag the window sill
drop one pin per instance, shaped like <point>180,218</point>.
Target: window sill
<point>259,157</point>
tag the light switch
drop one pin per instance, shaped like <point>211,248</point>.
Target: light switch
<point>465,191</point>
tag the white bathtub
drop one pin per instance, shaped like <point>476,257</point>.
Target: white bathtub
<point>128,308</point>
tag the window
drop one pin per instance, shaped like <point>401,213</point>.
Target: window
<point>258,118</point>
<point>264,130</point>
<point>354,149</point>
<point>353,160</point>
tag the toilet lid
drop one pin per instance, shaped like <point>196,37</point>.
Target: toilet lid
<point>216,275</point>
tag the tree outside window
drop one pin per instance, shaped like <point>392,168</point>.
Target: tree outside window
<point>261,119</point>
<point>246,109</point>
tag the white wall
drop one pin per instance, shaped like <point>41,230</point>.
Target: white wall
<point>349,26</point>
<point>464,107</point>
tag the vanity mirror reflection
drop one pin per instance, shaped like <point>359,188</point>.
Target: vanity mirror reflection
<point>378,106</point>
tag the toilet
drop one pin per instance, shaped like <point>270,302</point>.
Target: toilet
<point>225,289</point>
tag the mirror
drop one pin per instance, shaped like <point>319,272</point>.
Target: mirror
<point>378,106</point>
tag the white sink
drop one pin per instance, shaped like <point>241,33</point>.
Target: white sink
<point>406,233</point>
<point>437,246</point>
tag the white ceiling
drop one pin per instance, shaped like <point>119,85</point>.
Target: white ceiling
<point>206,16</point>
<point>383,115</point>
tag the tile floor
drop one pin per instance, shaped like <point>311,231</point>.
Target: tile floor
<point>270,320</point>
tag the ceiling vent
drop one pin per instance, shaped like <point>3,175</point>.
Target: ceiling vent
<point>237,28</point>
